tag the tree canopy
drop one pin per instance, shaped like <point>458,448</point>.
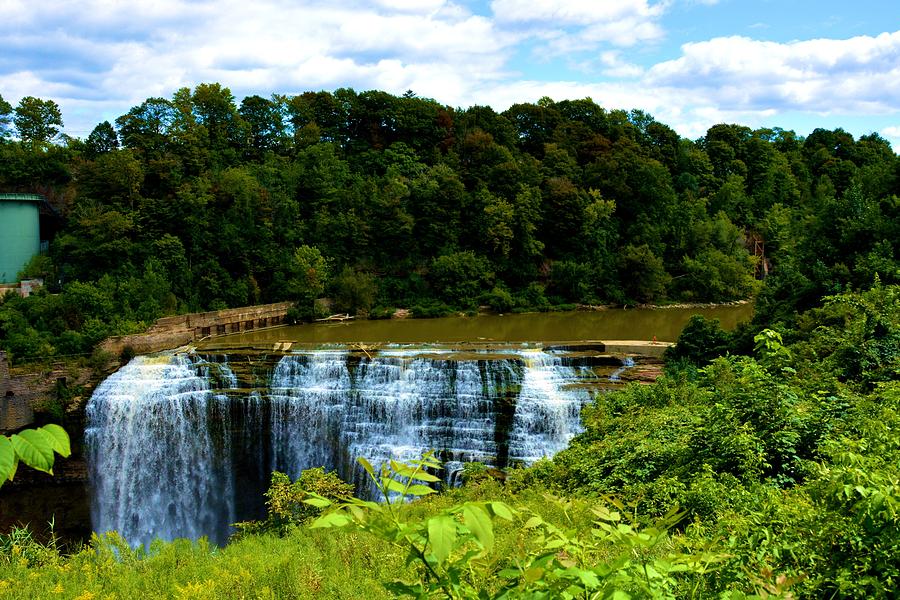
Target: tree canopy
<point>204,202</point>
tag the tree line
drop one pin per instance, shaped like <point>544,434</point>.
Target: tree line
<point>199,202</point>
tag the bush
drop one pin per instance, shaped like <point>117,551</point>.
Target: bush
<point>353,291</point>
<point>700,342</point>
<point>532,298</point>
<point>460,278</point>
<point>284,500</point>
<point>499,299</point>
<point>429,309</point>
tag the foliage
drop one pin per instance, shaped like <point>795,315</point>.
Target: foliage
<point>354,291</point>
<point>553,202</point>
<point>34,447</point>
<point>37,121</point>
<point>453,547</point>
<point>459,278</point>
<point>700,342</point>
<point>285,504</point>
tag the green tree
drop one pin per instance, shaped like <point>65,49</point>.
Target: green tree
<point>5,118</point>
<point>310,272</point>
<point>354,291</point>
<point>265,122</point>
<point>461,277</point>
<point>37,121</point>
<point>643,274</point>
<point>146,127</point>
<point>101,140</point>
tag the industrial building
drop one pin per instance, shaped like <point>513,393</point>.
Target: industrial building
<point>20,235</point>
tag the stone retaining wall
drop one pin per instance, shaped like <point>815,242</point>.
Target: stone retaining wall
<point>15,399</point>
<point>26,389</point>
<point>172,332</point>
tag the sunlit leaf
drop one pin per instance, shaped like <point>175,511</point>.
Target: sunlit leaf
<point>393,485</point>
<point>34,449</point>
<point>7,459</point>
<point>318,502</point>
<point>533,522</point>
<point>59,439</point>
<point>479,523</point>
<point>441,536</point>
<point>419,490</point>
<point>335,519</point>
<point>366,465</point>
<point>413,473</point>
<point>501,510</point>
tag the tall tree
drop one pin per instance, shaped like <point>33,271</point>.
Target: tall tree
<point>5,117</point>
<point>146,127</point>
<point>37,121</point>
<point>101,140</point>
<point>265,122</point>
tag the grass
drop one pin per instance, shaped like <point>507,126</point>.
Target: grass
<point>306,563</point>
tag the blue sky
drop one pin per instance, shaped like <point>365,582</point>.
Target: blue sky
<point>690,63</point>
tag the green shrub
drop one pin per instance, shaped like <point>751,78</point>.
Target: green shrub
<point>499,299</point>
<point>285,506</point>
<point>460,278</point>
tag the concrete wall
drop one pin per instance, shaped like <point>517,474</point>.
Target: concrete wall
<point>172,332</point>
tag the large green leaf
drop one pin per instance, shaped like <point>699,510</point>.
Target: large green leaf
<point>501,510</point>
<point>392,485</point>
<point>419,490</point>
<point>367,466</point>
<point>412,472</point>
<point>479,523</point>
<point>318,502</point>
<point>34,449</point>
<point>7,459</point>
<point>441,536</point>
<point>59,439</point>
<point>334,519</point>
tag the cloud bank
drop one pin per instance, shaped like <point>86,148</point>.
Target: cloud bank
<point>99,57</point>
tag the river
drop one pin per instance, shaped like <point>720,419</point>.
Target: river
<point>665,324</point>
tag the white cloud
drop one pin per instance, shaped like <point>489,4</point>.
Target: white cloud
<point>823,75</point>
<point>113,54</point>
<point>128,51</point>
<point>573,12</point>
<point>577,25</point>
<point>616,66</point>
<point>892,132</point>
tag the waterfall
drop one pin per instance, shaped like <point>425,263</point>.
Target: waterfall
<point>154,465</point>
<point>627,363</point>
<point>547,412</point>
<point>177,449</point>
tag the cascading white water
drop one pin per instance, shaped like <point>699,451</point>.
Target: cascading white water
<point>169,451</point>
<point>547,411</point>
<point>627,363</point>
<point>155,468</point>
<point>392,406</point>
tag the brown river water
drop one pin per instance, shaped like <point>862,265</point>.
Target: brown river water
<point>664,324</point>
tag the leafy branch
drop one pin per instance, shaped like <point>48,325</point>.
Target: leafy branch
<point>34,447</point>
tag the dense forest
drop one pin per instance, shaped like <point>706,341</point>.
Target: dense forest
<point>764,463</point>
<point>378,201</point>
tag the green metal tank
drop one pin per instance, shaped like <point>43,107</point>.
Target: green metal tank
<point>20,234</point>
